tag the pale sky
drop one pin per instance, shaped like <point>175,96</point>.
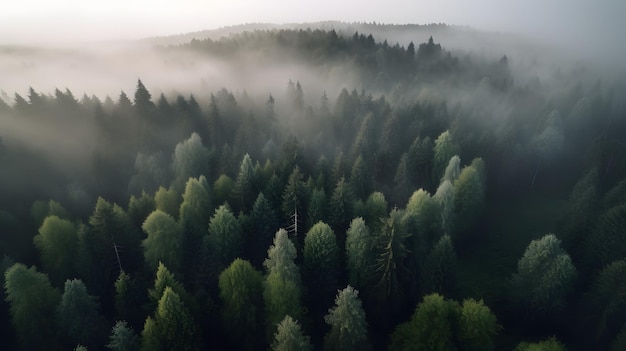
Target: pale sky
<point>30,21</point>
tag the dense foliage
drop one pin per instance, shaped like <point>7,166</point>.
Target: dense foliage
<point>412,213</point>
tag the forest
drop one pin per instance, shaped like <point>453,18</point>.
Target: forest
<point>384,196</point>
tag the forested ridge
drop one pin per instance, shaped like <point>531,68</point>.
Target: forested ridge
<point>442,202</point>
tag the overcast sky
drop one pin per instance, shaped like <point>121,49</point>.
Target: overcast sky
<point>81,20</point>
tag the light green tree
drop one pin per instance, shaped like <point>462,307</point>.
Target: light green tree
<point>360,253</point>
<point>289,336</point>
<point>347,322</point>
<point>445,148</point>
<point>57,243</point>
<point>190,159</point>
<point>477,326</point>
<point>545,275</point>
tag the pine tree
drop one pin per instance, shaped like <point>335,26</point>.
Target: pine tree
<point>289,336</point>
<point>347,322</point>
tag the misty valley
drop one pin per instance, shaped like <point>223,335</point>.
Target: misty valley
<point>317,186</point>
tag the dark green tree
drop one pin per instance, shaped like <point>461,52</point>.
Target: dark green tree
<point>32,305</point>
<point>123,338</point>
<point>431,327</point>
<point>225,240</point>
<point>164,241</point>
<point>244,184</point>
<point>241,291</point>
<point>168,201</point>
<point>139,208</point>
<point>551,344</point>
<point>78,318</point>
<point>340,206</point>
<point>477,326</point>
<point>439,269</point>
<point>264,220</point>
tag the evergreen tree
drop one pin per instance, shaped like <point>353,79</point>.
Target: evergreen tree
<point>172,327</point>
<point>551,344</point>
<point>445,199</point>
<point>289,336</point>
<point>282,290</point>
<point>123,338</point>
<point>360,253</point>
<point>77,314</point>
<point>431,327</point>
<point>340,206</point>
<point>294,195</point>
<point>317,207</point>
<point>347,322</point>
<point>128,299</point>
<point>164,241</point>
<point>477,326</point>
<point>265,223</point>
<point>469,198</point>
<point>190,159</point>
<point>360,179</point>
<point>225,240</point>
<point>241,292</point>
<point>168,201</point>
<point>445,148</point>
<point>57,243</point>
<point>32,305</point>
<point>139,208</point>
<point>438,274</point>
<point>545,275</point>
<point>244,185</point>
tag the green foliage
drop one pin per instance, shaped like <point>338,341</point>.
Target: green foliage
<point>164,279</point>
<point>317,207</point>
<point>360,253</point>
<point>445,199</point>
<point>168,201</point>
<point>123,338</point>
<point>32,305</point>
<point>241,293</point>
<point>190,159</point>
<point>164,241</point>
<point>321,265</point>
<point>194,211</point>
<point>389,268</point>
<point>431,327</point>
<point>78,317</point>
<point>282,297</point>
<point>282,291</point>
<point>244,185</point>
<point>545,275</point>
<point>140,208</point>
<point>222,188</point>
<point>360,179</point>
<point>606,242</point>
<point>294,195</point>
<point>281,256</point>
<point>439,269</point>
<point>128,299</point>
<point>477,326</point>
<point>609,295</point>
<point>340,206</point>
<point>264,222</point>
<point>376,209</point>
<point>469,198</point>
<point>289,336</point>
<point>453,170</point>
<point>423,219</point>
<point>57,243</point>
<point>225,239</point>
<point>347,322</point>
<point>445,148</point>
<point>172,327</point>
<point>551,344</point>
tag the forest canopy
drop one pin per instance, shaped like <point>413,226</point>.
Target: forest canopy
<point>411,196</point>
